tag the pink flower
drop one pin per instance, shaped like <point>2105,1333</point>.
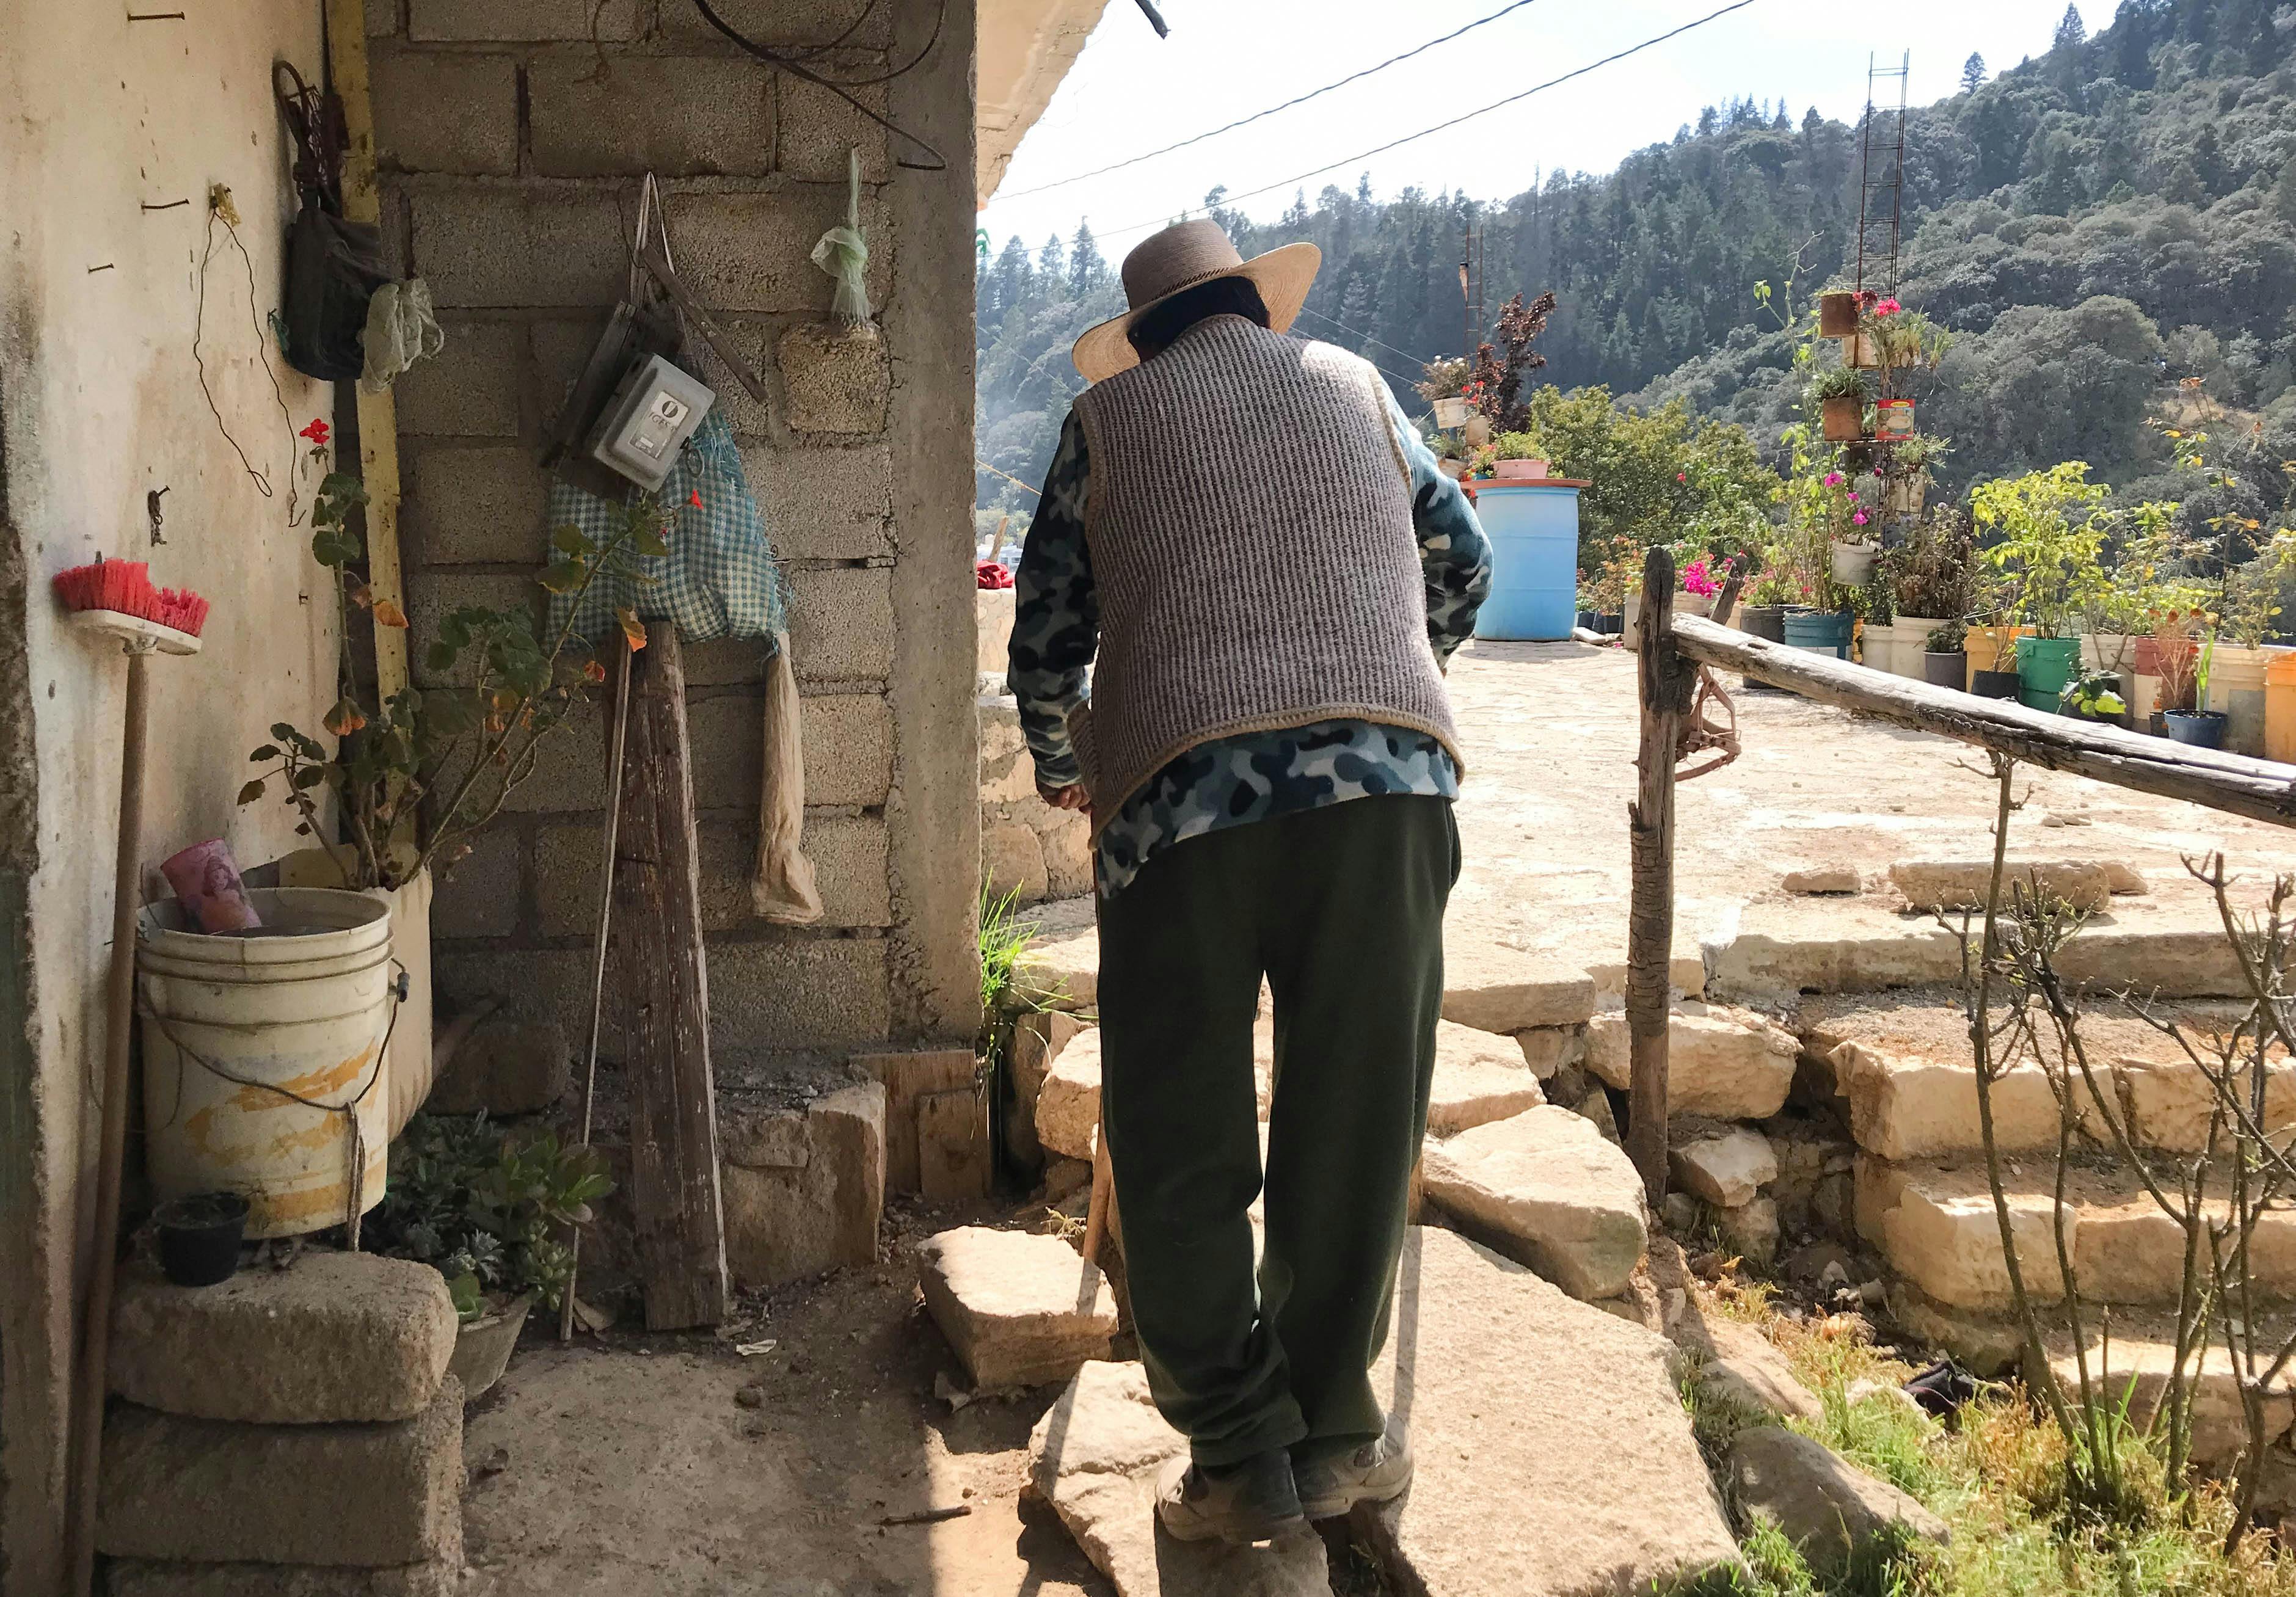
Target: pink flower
<point>1833,479</point>
<point>1680,477</point>
<point>1888,307</point>
<point>1859,518</point>
<point>1853,496</point>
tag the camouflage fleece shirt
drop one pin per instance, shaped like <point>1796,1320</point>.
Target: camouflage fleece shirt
<point>1254,776</point>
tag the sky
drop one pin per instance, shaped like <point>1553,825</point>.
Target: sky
<point>1131,92</point>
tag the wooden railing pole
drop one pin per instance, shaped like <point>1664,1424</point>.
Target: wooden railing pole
<point>1665,679</point>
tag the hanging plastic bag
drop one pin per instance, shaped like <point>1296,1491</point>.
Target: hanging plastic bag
<point>844,254</point>
<point>401,329</point>
<point>333,264</point>
<point>781,888</point>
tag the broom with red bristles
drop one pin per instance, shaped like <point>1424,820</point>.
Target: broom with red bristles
<point>115,598</point>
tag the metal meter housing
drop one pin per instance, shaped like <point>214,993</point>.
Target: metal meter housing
<point>651,412</point>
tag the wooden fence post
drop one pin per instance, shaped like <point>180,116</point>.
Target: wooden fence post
<point>674,1185</point>
<point>1664,677</point>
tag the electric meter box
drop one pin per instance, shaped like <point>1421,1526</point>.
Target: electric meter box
<point>654,410</point>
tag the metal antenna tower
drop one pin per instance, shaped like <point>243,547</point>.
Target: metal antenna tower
<point>1881,200</point>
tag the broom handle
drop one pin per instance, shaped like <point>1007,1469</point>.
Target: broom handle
<point>616,744</point>
<point>119,1001</point>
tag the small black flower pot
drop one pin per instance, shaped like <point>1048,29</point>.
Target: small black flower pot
<point>199,1237</point>
<point>1995,684</point>
<point>1948,670</point>
<point>1611,623</point>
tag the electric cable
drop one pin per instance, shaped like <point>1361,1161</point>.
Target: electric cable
<point>1308,310</point>
<point>1062,183</point>
<point>1285,182</point>
<point>936,161</point>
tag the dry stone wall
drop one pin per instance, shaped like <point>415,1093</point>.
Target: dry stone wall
<point>514,136</point>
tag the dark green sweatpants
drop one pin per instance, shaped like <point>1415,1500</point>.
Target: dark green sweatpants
<point>1342,909</point>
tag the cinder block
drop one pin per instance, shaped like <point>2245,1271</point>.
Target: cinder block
<point>825,503</point>
<point>496,248</point>
<point>507,1068</point>
<point>727,736</point>
<point>518,20</point>
<point>816,1204</point>
<point>440,111</point>
<point>835,380</point>
<point>591,124</point>
<point>477,896</point>
<point>798,992</point>
<point>385,19</point>
<point>212,1491</point>
<point>849,748</point>
<point>752,252</point>
<point>469,389</point>
<point>430,595</point>
<point>727,662</point>
<point>570,769</point>
<point>817,129</point>
<point>842,623</point>
<point>339,1337</point>
<point>561,350</point>
<point>531,985</point>
<point>783,22</point>
<point>473,507</point>
<point>849,854</point>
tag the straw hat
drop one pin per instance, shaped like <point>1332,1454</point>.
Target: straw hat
<point>1178,259</point>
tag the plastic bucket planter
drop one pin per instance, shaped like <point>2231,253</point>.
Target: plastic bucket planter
<point>1533,528</point>
<point>1821,632</point>
<point>1978,644</point>
<point>1944,670</point>
<point>2044,667</point>
<point>2202,728</point>
<point>2280,706</point>
<point>261,1052</point>
<point>2237,687</point>
<point>1763,621</point>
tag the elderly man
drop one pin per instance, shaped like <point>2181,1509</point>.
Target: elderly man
<point>1272,572</point>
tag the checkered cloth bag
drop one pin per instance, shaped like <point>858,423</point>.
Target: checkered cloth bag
<point>719,579</point>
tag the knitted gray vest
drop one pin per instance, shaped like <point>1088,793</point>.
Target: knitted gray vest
<point>1250,527</point>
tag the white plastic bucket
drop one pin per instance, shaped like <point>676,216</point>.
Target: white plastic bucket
<point>259,1052</point>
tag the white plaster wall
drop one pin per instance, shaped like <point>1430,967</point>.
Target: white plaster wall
<point>101,402</point>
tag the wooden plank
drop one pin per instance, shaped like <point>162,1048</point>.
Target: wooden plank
<point>1664,680</point>
<point>952,1133</point>
<point>909,1077</point>
<point>2261,790</point>
<point>681,1232</point>
<point>378,413</point>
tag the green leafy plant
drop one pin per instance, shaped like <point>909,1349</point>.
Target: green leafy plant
<point>2094,696</point>
<point>411,777</point>
<point>1932,572</point>
<point>1948,637</point>
<point>1836,383</point>
<point>488,1210</point>
<point>2048,532</point>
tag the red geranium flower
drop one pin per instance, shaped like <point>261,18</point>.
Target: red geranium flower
<point>317,432</point>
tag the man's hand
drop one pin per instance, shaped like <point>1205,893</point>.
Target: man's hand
<point>1070,796</point>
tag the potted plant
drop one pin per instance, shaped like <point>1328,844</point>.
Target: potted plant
<point>2095,696</point>
<point>1762,609</point>
<point>1995,641</point>
<point>489,1210</point>
<point>1702,580</point>
<point>1838,393</point>
<point>2049,531</point>
<point>199,1237</point>
<point>1515,459</point>
<point>2248,604</point>
<point>1837,314</point>
<point>1909,472</point>
<point>2202,728</point>
<point>1945,664</point>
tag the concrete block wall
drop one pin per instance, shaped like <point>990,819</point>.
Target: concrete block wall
<point>512,136</point>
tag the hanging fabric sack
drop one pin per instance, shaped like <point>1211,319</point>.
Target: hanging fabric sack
<point>333,264</point>
<point>781,888</point>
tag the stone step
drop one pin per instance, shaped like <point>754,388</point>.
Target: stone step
<point>1554,1455</point>
<point>1902,1062</point>
<point>1544,1188</point>
<point>2135,1369</point>
<point>1019,1310</point>
<point>1479,1077</point>
<point>1773,949</point>
<point>1726,1064</point>
<point>1935,1223</point>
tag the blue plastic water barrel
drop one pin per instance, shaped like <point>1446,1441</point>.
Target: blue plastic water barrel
<point>1533,526</point>
<point>1821,632</point>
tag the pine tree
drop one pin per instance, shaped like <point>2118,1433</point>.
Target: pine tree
<point>1052,266</point>
<point>2072,33</point>
<point>1087,271</point>
<point>1972,72</point>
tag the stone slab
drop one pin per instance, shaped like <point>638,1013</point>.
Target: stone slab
<point>1746,1371</point>
<point>803,1189</point>
<point>1094,1458</point>
<point>1061,969</point>
<point>2137,1370</point>
<point>1729,1169</point>
<point>1727,1064</point>
<point>1821,879</point>
<point>1544,1188</point>
<point>1492,987</point>
<point>1508,1390</point>
<point>210,1491</point>
<point>1479,1077</point>
<point>909,1076</point>
<point>1019,1310</point>
<point>1037,1039</point>
<point>1933,885</point>
<point>1826,1506</point>
<point>953,1161</point>
<point>1067,1103</point>
<point>338,1337</point>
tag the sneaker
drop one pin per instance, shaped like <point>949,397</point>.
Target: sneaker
<point>1254,1501</point>
<point>1375,1472</point>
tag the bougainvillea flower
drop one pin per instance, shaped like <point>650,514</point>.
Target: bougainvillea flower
<point>317,432</point>
<point>1888,307</point>
<point>1833,479</point>
<point>1859,518</point>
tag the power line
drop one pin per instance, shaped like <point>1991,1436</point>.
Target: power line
<point>1063,183</point>
<point>1285,182</point>
<point>1308,310</point>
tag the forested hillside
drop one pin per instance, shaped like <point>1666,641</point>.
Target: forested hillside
<point>2116,213</point>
